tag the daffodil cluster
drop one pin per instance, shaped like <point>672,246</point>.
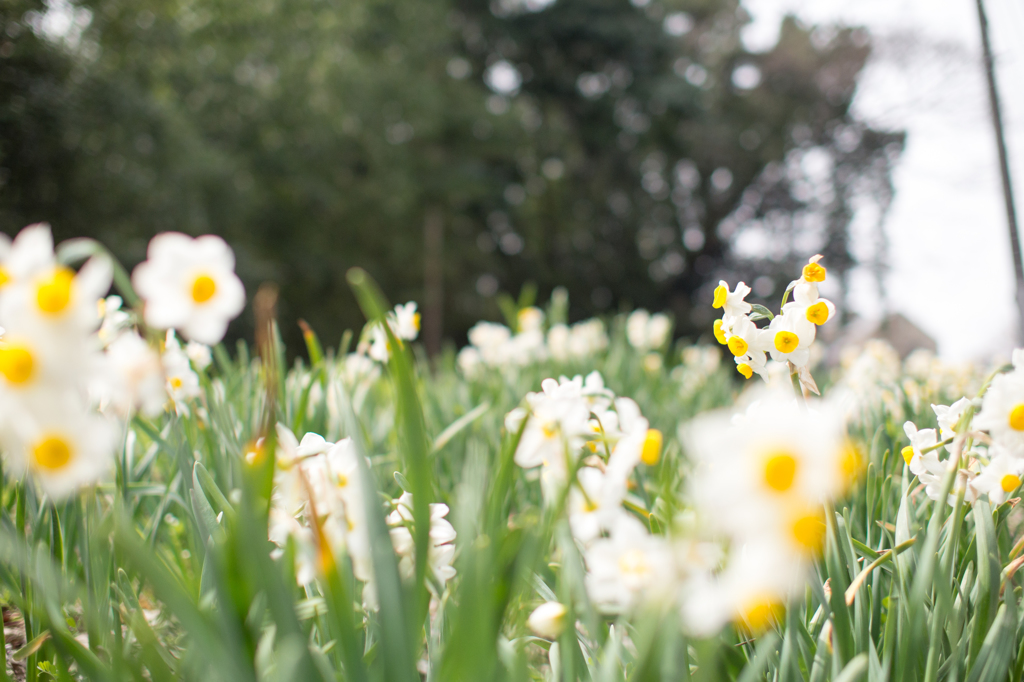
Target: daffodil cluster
<point>404,321</point>
<point>987,449</point>
<point>71,361</point>
<point>762,481</point>
<point>585,443</point>
<point>52,365</point>
<point>319,505</point>
<point>788,336</point>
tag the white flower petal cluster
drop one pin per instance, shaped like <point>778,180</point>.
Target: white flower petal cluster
<point>761,481</point>
<point>580,341</point>
<point>579,418</point>
<point>648,332</point>
<point>441,547</point>
<point>494,345</point>
<point>53,370</point>
<point>789,335</point>
<point>190,285</point>
<point>404,322</point>
<point>319,502</point>
<point>994,470</point>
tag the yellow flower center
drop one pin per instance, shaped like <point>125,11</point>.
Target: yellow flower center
<point>633,562</point>
<point>814,273</point>
<point>817,313</point>
<point>416,321</point>
<point>908,453</point>
<point>737,346</point>
<point>16,364</point>
<point>53,294</point>
<point>550,429</point>
<point>52,453</point>
<point>1009,483</point>
<point>203,288</point>
<point>786,342</point>
<point>5,276</point>
<point>719,332</point>
<point>809,532</point>
<point>175,382</point>
<point>850,463</point>
<point>745,369</point>
<point>760,613</point>
<point>342,480</point>
<point>651,452</point>
<point>1017,418</point>
<point>780,471</point>
<point>720,294</point>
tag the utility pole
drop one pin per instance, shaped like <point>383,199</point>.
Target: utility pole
<point>1004,167</point>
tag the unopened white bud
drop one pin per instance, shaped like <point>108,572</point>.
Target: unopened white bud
<point>548,620</point>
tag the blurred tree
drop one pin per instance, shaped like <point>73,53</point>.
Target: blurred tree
<point>664,156</point>
<point>632,153</point>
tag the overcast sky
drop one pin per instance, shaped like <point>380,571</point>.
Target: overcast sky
<point>951,268</point>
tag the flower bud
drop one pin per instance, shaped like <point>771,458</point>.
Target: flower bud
<point>548,620</point>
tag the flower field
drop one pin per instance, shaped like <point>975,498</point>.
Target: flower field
<point>554,501</point>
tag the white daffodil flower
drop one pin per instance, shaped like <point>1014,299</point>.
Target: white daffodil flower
<point>754,362</point>
<point>34,358</point>
<point>807,304</point>
<point>594,503</point>
<point>405,321</point>
<point>645,331</point>
<point>731,302</point>
<point>1001,477</point>
<point>555,429</point>
<point>530,319</point>
<point>114,319</point>
<point>919,440</point>
<point>441,548</point>
<point>61,443</point>
<point>756,471</point>
<point>283,526</point>
<point>751,591</point>
<point>628,567</point>
<point>791,336</point>
<point>190,285</point>
<point>199,354</point>
<point>744,338</point>
<point>948,416</point>
<point>181,381</point>
<point>137,374</point>
<point>29,253</point>
<point>58,299</point>
<point>1002,411</point>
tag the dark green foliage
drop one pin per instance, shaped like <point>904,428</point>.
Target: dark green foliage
<point>317,136</point>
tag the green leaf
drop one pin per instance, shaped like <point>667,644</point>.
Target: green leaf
<point>759,312</point>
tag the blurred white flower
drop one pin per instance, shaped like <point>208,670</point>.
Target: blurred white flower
<point>628,567</point>
<point>548,620</point>
<point>114,319</point>
<point>61,442</point>
<point>405,321</point>
<point>137,374</point>
<point>1002,411</point>
<point>645,331</point>
<point>199,354</point>
<point>1000,477</point>
<point>181,381</point>
<point>190,285</point>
